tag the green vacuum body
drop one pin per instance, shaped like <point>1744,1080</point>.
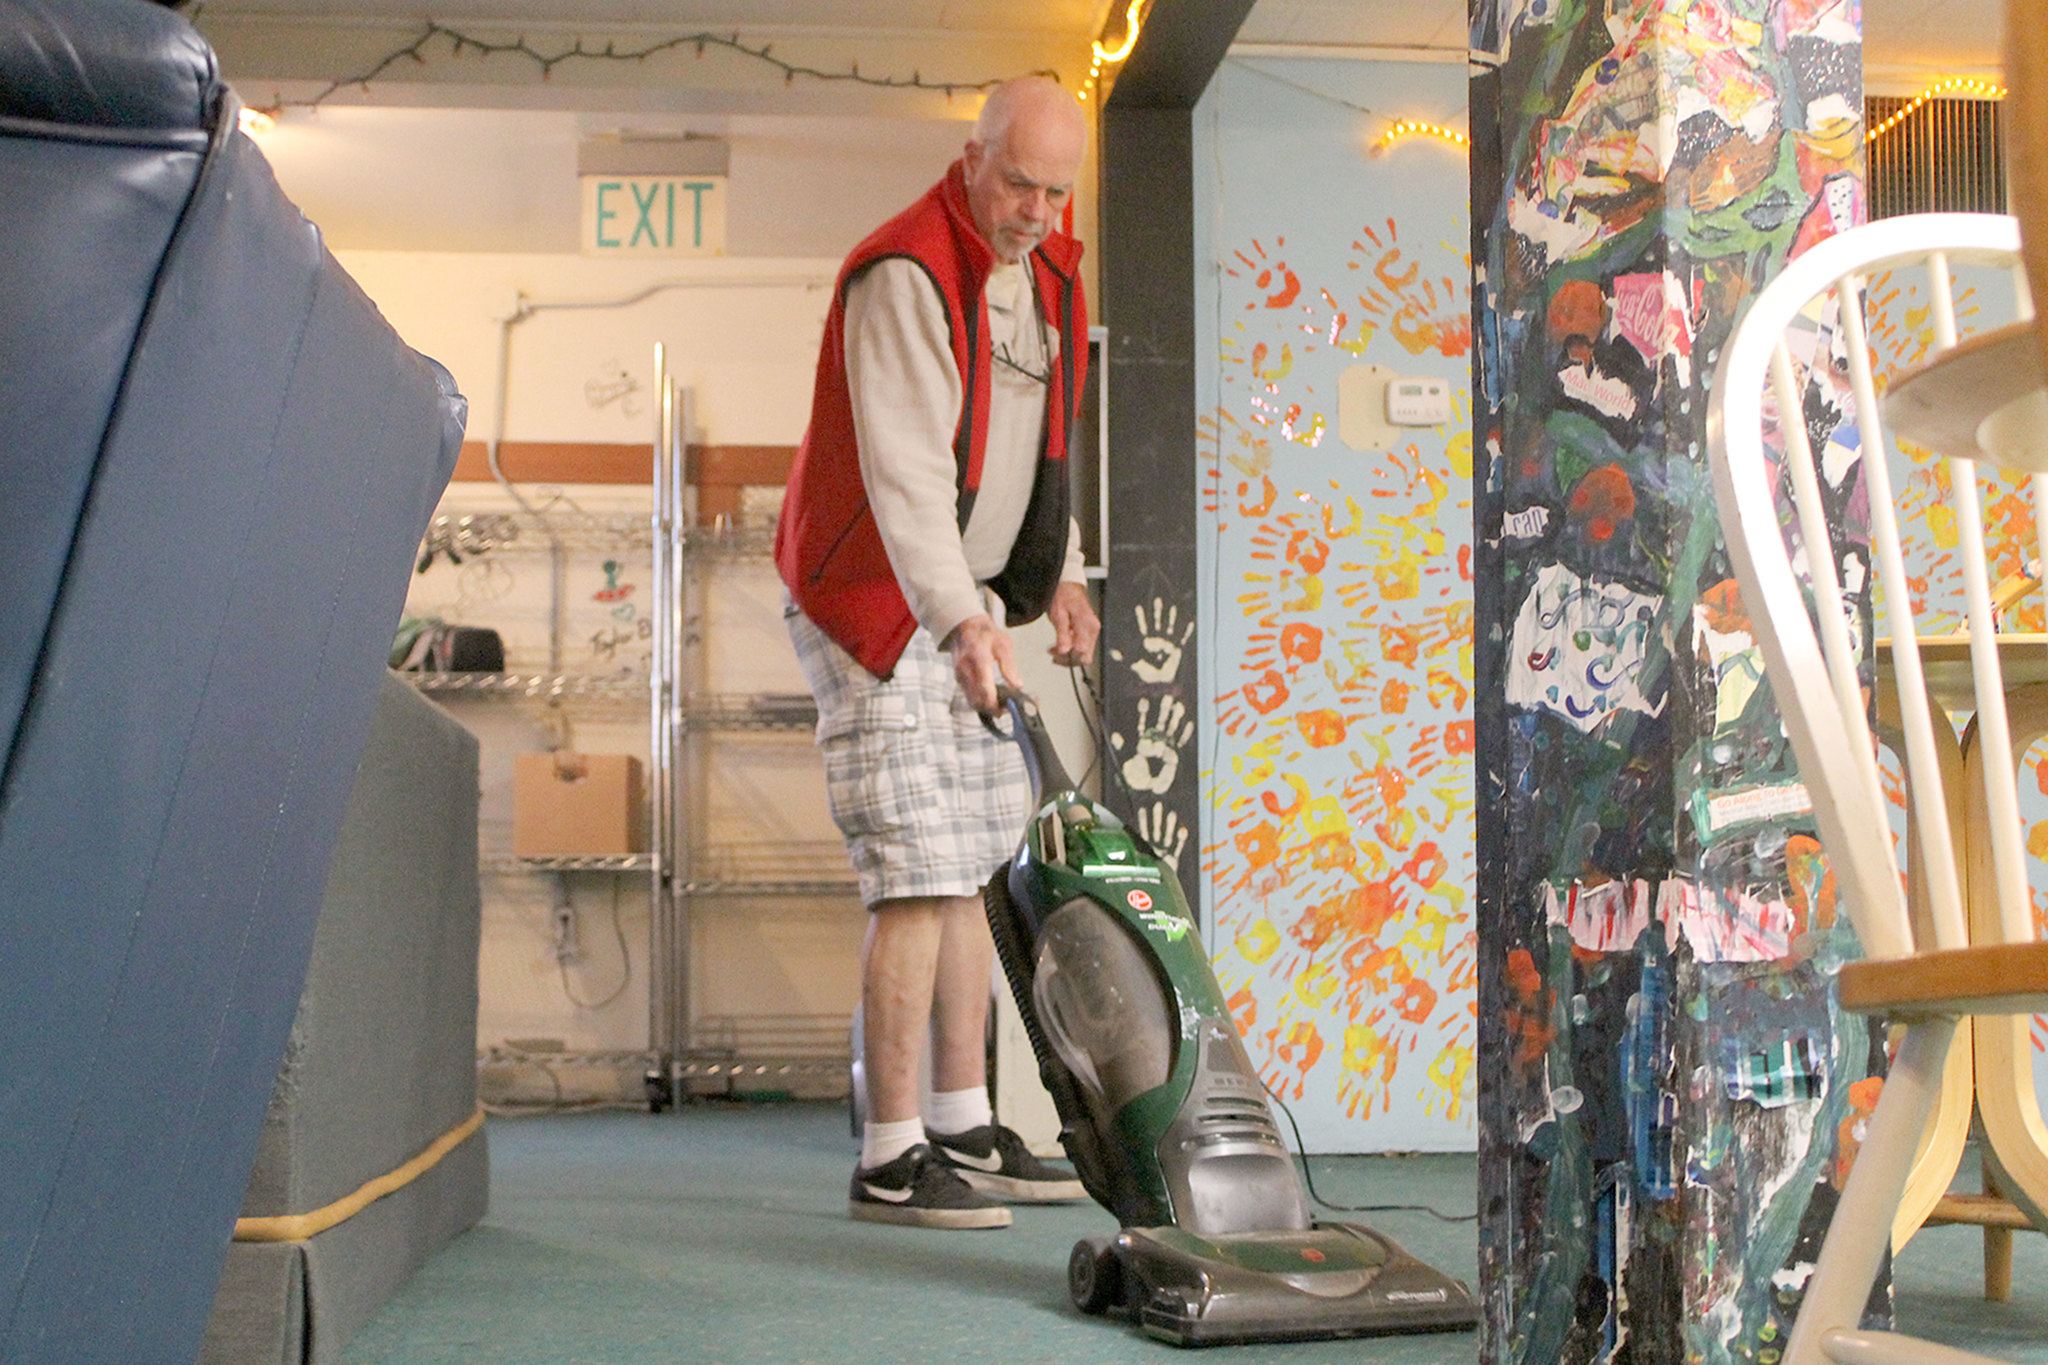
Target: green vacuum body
<point>1161,1110</point>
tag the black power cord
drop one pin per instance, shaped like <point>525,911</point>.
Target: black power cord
<point>1308,1178</point>
<point>1075,674</point>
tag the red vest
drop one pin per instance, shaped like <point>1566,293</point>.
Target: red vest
<point>827,544</point>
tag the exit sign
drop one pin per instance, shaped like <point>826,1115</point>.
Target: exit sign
<point>653,215</point>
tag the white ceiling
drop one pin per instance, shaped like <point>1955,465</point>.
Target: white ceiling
<point>1946,34</point>
<point>1078,17</point>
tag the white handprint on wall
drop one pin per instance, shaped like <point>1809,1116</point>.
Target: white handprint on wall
<point>1164,642</point>
<point>1155,758</point>
<point>1162,829</point>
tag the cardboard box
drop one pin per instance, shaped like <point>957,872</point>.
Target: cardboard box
<point>578,805</point>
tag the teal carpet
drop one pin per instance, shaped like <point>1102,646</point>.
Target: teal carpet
<point>720,1234</point>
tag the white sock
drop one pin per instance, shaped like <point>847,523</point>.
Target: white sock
<point>882,1143</point>
<point>955,1111</point>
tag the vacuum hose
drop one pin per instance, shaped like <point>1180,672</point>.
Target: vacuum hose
<point>1027,728</point>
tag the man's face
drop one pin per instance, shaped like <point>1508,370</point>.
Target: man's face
<point>1018,187</point>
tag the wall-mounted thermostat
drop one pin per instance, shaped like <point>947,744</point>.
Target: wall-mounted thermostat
<point>1418,402</point>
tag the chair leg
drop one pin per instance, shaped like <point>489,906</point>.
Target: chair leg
<point>1997,1252</point>
<point>1998,1265</point>
<point>1860,1233</point>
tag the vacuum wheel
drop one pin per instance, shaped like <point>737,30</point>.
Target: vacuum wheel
<point>1094,1275</point>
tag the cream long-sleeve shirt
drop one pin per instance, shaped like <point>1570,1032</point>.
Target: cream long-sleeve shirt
<point>907,398</point>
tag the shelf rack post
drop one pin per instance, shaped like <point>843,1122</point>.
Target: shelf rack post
<point>660,685</point>
<point>678,699</point>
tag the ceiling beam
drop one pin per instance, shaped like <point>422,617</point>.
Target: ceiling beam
<point>1179,48</point>
<point>1148,287</point>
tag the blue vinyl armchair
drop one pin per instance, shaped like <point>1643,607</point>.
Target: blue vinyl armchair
<point>216,461</point>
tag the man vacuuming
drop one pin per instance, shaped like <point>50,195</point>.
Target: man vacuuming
<point>926,509</point>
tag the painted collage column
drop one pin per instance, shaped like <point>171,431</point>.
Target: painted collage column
<point>1671,1093</point>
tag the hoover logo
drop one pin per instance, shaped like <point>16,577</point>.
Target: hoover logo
<point>1419,1296</point>
<point>1139,900</point>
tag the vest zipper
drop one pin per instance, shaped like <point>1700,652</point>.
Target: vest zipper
<point>963,435</point>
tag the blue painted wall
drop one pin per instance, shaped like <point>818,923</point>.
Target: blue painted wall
<point>1336,743</point>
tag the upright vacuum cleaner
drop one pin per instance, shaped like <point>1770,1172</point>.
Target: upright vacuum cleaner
<point>1161,1110</point>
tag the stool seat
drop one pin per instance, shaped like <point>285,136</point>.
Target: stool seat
<point>2001,978</point>
<point>1987,399</point>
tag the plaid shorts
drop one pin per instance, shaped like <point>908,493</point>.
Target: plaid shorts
<point>930,802</point>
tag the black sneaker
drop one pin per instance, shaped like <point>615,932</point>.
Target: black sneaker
<point>995,1161</point>
<point>920,1190</point>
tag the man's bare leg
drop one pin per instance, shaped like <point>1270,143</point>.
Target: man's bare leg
<point>959,1125</point>
<point>902,959</point>
<point>898,966</point>
<point>959,1014</point>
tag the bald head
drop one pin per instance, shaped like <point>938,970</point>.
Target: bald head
<point>1021,162</point>
<point>1039,101</point>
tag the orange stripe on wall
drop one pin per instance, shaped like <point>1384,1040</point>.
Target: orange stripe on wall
<point>558,462</point>
<point>602,462</point>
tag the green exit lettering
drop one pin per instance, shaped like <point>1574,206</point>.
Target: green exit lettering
<point>653,213</point>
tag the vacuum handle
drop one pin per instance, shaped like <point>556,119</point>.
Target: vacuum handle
<point>1027,727</point>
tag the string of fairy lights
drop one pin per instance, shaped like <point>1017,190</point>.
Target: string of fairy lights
<point>1951,87</point>
<point>1102,55</point>
<point>1115,53</point>
<point>460,42</point>
<point>1966,87</point>
<point>1414,127</point>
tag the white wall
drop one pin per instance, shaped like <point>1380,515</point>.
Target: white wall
<point>415,179</point>
<point>742,337</point>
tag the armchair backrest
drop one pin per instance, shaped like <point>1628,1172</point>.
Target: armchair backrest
<point>105,112</point>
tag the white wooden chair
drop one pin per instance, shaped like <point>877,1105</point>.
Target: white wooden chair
<point>1924,969</point>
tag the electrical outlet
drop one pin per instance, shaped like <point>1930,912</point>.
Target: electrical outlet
<point>567,946</point>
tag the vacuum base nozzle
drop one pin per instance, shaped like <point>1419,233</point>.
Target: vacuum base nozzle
<point>1333,1281</point>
